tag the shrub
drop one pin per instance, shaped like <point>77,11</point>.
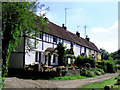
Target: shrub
<point>90,73</point>
<point>99,66</point>
<point>101,70</point>
<point>81,60</point>
<point>98,73</point>
<point>109,66</point>
<point>84,72</point>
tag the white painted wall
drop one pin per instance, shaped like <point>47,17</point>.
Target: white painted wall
<point>67,43</point>
<point>82,49</point>
<point>56,62</point>
<point>29,57</point>
<point>76,50</point>
<point>47,45</point>
<point>87,52</point>
<point>39,45</point>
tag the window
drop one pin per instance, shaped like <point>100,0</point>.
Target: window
<point>38,57</point>
<point>45,59</point>
<point>41,35</point>
<point>48,38</point>
<point>54,58</point>
<point>54,39</point>
<point>45,37</point>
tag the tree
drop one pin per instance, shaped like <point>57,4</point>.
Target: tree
<point>105,54</point>
<point>61,54</point>
<point>18,19</point>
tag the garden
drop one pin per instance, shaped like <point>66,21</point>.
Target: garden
<point>83,67</point>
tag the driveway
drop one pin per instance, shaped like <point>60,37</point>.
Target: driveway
<point>13,82</point>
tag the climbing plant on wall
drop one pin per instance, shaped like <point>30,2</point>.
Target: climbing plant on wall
<point>19,19</point>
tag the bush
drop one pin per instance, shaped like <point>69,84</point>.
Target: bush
<point>81,60</point>
<point>99,66</point>
<point>90,73</point>
<point>84,72</point>
<point>109,66</point>
<point>98,73</point>
<point>101,71</point>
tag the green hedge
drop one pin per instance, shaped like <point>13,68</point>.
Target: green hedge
<point>109,66</point>
<point>81,61</point>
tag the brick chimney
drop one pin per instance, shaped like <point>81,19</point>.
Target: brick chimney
<point>78,34</point>
<point>87,38</point>
<point>63,26</point>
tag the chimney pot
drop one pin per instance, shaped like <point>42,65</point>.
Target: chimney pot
<point>64,26</point>
<point>78,34</point>
<point>87,38</point>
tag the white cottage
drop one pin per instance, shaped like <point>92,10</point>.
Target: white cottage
<point>46,52</point>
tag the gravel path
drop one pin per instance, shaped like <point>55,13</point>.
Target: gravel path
<point>13,82</point>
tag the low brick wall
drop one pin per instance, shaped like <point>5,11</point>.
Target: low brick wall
<point>72,72</point>
<point>36,74</point>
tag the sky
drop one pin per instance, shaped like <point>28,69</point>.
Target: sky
<point>100,18</point>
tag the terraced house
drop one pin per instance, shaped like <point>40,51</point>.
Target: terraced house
<point>46,52</point>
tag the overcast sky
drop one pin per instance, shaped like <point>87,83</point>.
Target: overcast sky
<point>101,19</point>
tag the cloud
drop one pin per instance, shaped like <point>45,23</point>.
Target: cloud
<point>80,9</point>
<point>110,45</point>
<point>100,29</point>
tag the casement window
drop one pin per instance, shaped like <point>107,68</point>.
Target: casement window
<point>55,39</point>
<point>38,57</point>
<point>45,59</point>
<point>54,58</point>
<point>48,38</point>
<point>41,35</point>
<point>45,37</point>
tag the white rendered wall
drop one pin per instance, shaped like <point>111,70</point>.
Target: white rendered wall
<point>47,45</point>
<point>67,43</point>
<point>82,49</point>
<point>87,52</point>
<point>76,50</point>
<point>39,45</point>
<point>29,57</point>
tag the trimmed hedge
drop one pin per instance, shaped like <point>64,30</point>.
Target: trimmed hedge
<point>81,61</point>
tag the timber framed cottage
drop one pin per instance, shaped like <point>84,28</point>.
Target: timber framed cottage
<point>46,52</point>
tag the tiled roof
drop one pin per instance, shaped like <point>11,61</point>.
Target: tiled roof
<point>60,32</point>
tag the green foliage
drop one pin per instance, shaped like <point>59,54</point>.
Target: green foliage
<point>81,60</point>
<point>98,73</point>
<point>90,73</point>
<point>105,54</point>
<point>69,77</point>
<point>102,84</point>
<point>62,60</point>
<point>18,19</point>
<point>99,66</point>
<point>101,71</point>
<point>109,66</point>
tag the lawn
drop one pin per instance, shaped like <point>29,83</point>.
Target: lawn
<point>68,77</point>
<point>110,81</point>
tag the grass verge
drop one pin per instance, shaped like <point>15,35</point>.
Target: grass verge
<point>68,77</point>
<point>102,84</point>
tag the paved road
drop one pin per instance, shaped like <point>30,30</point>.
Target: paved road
<point>13,82</point>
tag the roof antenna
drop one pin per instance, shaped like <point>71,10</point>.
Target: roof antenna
<point>66,15</point>
<point>78,28</point>
<point>85,29</point>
